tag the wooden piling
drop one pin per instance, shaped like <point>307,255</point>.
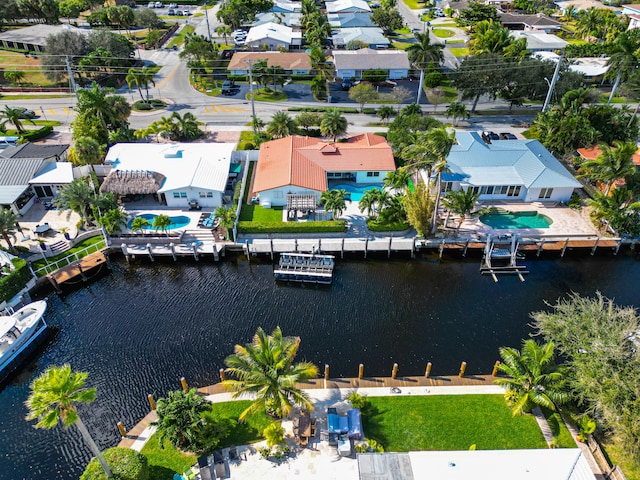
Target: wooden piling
<point>319,246</point>
<point>216,256</point>
<point>389,247</point>
<point>617,249</point>
<point>54,283</point>
<point>125,252</point>
<point>222,375</point>
<point>271,248</point>
<point>394,372</point>
<point>172,247</point>
<point>149,252</point>
<point>123,432</point>
<point>246,250</point>
<point>183,382</point>
<point>441,249</point>
<point>540,246</point>
<point>413,248</point>
<point>564,247</point>
<point>463,367</point>
<point>595,246</point>
<point>194,247</point>
<point>361,371</point>
<point>494,372</point>
<point>295,245</point>
<point>152,402</point>
<point>342,249</point>
<point>427,372</point>
<point>466,246</point>
<point>326,374</point>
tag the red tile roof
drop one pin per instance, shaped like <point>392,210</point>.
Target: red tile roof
<point>305,161</point>
<point>592,153</point>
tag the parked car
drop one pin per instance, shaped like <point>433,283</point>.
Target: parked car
<point>159,5</point>
<point>173,5</point>
<point>28,113</point>
<point>239,32</point>
<point>491,135</point>
<point>186,13</point>
<point>151,5</point>
<point>171,11</point>
<point>346,84</point>
<point>507,136</point>
<point>227,87</point>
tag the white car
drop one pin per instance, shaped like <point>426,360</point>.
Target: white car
<point>186,13</point>
<point>173,5</point>
<point>159,5</point>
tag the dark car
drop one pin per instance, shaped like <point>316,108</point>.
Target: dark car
<point>346,84</point>
<point>507,136</point>
<point>28,113</point>
<point>491,135</point>
<point>227,87</point>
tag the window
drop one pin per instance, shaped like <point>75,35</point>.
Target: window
<point>176,194</point>
<point>486,190</point>
<point>183,194</point>
<point>203,194</point>
<point>513,191</point>
<point>373,174</point>
<point>446,186</point>
<point>503,190</point>
<point>475,190</point>
<point>545,193</point>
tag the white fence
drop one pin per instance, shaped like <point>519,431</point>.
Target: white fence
<point>52,266</point>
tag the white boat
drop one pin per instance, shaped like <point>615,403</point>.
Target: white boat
<point>20,333</point>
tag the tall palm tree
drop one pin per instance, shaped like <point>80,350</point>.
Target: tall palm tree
<point>76,197</point>
<point>281,125</point>
<point>223,31</point>
<point>333,123</point>
<point>489,37</point>
<point>385,112</point>
<point>614,209</point>
<point>612,164</point>
<point>140,78</point>
<point>53,399</point>
<point>439,142</point>
<point>369,202</point>
<point>264,368</point>
<point>623,57</point>
<point>334,201</point>
<point>461,202</point>
<point>318,87</point>
<point>138,224</point>
<point>589,22</point>
<point>534,378</point>
<point>8,225</point>
<point>397,179</point>
<point>227,218</point>
<point>162,222</point>
<point>458,111</point>
<point>187,126</point>
<point>15,116</point>
<point>113,220</point>
<point>319,63</point>
<point>94,101</point>
<point>422,53</point>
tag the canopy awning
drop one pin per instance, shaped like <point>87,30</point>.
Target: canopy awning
<point>124,182</point>
<point>301,202</point>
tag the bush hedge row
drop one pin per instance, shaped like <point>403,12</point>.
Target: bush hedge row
<point>376,226</point>
<point>369,110</point>
<point>33,135</point>
<point>291,227</point>
<point>125,464</point>
<point>11,284</point>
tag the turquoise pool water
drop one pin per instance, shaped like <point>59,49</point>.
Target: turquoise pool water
<point>355,191</point>
<point>515,220</point>
<point>180,221</point>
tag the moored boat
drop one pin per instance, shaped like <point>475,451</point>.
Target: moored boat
<point>20,333</point>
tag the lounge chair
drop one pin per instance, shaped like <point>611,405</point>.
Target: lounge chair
<point>233,454</point>
<point>221,470</point>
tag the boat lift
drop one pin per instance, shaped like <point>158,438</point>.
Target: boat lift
<point>500,250</point>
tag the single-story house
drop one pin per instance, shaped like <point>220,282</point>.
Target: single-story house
<point>351,63</point>
<point>293,63</point>
<point>49,152</point>
<point>34,37</point>
<point>349,20</point>
<point>539,41</point>
<point>303,166</point>
<point>591,153</point>
<point>286,6</point>
<point>538,22</point>
<point>273,35</point>
<point>550,464</point>
<point>371,37</point>
<point>593,68</point>
<point>178,173</point>
<point>634,21</point>
<point>507,170</point>
<point>347,6</point>
<point>288,19</point>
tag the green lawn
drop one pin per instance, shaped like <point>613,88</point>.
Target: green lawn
<point>617,456</point>
<point>414,4</point>
<point>443,32</point>
<point>604,98</point>
<point>34,75</point>
<point>256,213</point>
<point>97,242</point>
<point>454,41</point>
<point>268,95</point>
<point>179,38</point>
<point>36,96</point>
<point>167,461</point>
<point>460,52</point>
<point>565,439</point>
<point>402,44</point>
<point>245,432</point>
<point>449,422</point>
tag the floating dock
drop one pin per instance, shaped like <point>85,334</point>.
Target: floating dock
<point>305,268</point>
<point>83,269</point>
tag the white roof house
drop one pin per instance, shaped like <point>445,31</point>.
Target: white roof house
<point>591,67</point>
<point>351,63</point>
<point>347,6</point>
<point>539,41</point>
<point>187,171</point>
<point>507,170</point>
<point>369,36</point>
<point>349,20</point>
<point>286,6</point>
<point>273,35</point>
<point>287,19</point>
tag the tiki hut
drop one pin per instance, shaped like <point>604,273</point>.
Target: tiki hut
<point>132,182</point>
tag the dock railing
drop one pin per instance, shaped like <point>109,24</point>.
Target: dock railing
<point>52,266</point>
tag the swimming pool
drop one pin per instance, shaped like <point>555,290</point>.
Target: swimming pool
<point>515,220</point>
<point>180,221</point>
<point>355,191</point>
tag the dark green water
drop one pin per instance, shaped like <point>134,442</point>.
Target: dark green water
<point>142,327</point>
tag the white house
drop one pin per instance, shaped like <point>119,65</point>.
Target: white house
<point>507,170</point>
<point>347,6</point>
<point>287,19</point>
<point>593,68</point>
<point>286,6</point>
<point>351,63</point>
<point>178,173</point>
<point>273,35</point>
<point>369,36</point>
<point>539,41</point>
<point>303,166</point>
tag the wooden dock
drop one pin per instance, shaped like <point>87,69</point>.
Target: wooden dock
<point>135,433</point>
<point>80,268</point>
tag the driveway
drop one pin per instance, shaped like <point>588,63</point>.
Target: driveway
<point>341,96</point>
<point>297,92</point>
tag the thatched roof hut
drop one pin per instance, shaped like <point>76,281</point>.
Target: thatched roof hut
<point>125,182</point>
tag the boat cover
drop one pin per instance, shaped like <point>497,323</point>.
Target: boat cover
<point>337,423</point>
<point>355,423</point>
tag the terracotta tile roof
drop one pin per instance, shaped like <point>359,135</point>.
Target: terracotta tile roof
<point>592,153</point>
<point>305,161</point>
<point>288,61</point>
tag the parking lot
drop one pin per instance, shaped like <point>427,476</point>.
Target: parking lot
<point>171,9</point>
<point>338,95</point>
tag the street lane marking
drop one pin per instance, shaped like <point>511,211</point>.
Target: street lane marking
<point>223,109</point>
<point>213,107</point>
<point>206,110</point>
<point>38,112</point>
<point>67,111</point>
<point>52,112</point>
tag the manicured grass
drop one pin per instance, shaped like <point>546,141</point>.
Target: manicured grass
<point>565,439</point>
<point>179,38</point>
<point>265,95</point>
<point>443,32</point>
<point>531,133</point>
<point>256,213</point>
<point>44,123</point>
<point>34,76</point>
<point>460,52</point>
<point>403,31</point>
<point>402,44</point>
<point>245,432</point>
<point>97,242</point>
<point>617,456</point>
<point>455,41</point>
<point>449,422</point>
<point>166,461</point>
<point>604,98</point>
<point>414,4</point>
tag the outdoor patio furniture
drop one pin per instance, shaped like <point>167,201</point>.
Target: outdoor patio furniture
<point>233,454</point>
<point>205,468</point>
<point>218,457</point>
<point>42,228</point>
<point>221,470</point>
<point>355,423</point>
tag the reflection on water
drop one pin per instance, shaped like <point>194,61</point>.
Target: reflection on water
<point>141,328</point>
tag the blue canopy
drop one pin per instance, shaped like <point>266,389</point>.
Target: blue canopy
<point>355,423</point>
<point>337,423</point>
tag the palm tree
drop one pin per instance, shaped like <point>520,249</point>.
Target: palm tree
<point>461,202</point>
<point>113,220</point>
<point>318,87</point>
<point>623,57</point>
<point>180,418</point>
<point>319,63</point>
<point>457,111</point>
<point>227,218</point>
<point>588,24</point>
<point>15,116</point>
<point>439,142</point>
<point>8,225</point>
<point>14,76</point>
<point>95,103</point>
<point>265,369</point>
<point>138,224</point>
<point>140,79</point>
<point>333,123</point>
<point>281,125</point>
<point>76,197</point>
<point>385,113</point>
<point>422,53</point>
<point>489,37</point>
<point>334,201</point>
<point>162,222</point>
<point>614,209</point>
<point>87,151</point>
<point>397,179</point>
<point>369,202</point>
<point>223,31</point>
<point>53,399</point>
<point>187,126</point>
<point>534,378</point>
<point>612,164</point>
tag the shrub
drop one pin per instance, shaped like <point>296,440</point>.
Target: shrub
<point>379,226</point>
<point>432,80</point>
<point>140,105</point>
<point>274,434</point>
<point>11,284</point>
<point>125,463</point>
<point>291,227</point>
<point>357,400</point>
<point>33,135</point>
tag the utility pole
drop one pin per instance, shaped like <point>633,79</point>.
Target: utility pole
<point>72,82</point>
<point>253,106</point>
<point>420,85</point>
<point>556,74</point>
<point>206,16</point>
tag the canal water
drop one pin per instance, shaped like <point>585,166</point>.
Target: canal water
<point>141,327</point>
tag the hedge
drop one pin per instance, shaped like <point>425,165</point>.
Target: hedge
<point>291,227</point>
<point>125,464</point>
<point>369,110</point>
<point>374,226</point>
<point>33,135</point>
<point>11,284</point>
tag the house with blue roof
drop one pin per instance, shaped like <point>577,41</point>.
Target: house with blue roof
<point>507,170</point>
